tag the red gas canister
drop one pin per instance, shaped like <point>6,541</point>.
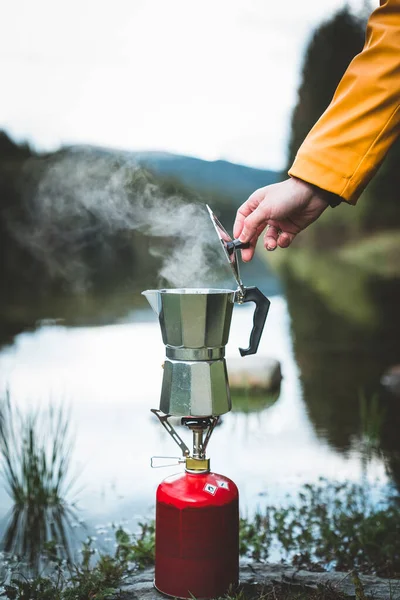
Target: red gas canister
<point>197,535</point>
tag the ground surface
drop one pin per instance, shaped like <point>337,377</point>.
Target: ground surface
<point>256,575</point>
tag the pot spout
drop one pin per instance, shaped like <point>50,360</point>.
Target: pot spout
<point>154,299</point>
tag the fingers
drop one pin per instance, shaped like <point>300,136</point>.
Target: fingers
<point>245,210</point>
<point>271,237</point>
<point>275,237</point>
<point>285,239</point>
<point>260,211</point>
<point>248,253</point>
<point>258,218</point>
<point>239,221</point>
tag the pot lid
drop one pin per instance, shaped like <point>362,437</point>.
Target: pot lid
<point>229,247</point>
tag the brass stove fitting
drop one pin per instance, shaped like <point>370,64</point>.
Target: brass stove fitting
<point>196,465</point>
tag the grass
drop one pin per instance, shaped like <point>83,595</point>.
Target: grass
<point>35,451</point>
<point>35,461</point>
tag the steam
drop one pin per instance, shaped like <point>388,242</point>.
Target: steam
<point>90,194</point>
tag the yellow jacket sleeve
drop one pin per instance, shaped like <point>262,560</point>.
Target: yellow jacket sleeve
<point>348,143</point>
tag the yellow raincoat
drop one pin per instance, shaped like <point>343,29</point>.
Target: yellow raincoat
<point>349,142</point>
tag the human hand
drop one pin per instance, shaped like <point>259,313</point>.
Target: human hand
<point>284,208</point>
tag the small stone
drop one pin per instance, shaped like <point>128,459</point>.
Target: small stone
<point>254,373</point>
<point>391,380</point>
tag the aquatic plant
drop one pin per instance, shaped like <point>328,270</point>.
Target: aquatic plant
<point>35,451</point>
<point>372,418</point>
<point>35,454</point>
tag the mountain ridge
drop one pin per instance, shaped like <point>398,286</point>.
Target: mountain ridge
<point>222,177</point>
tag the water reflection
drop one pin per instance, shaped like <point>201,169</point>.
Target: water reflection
<point>37,534</point>
<point>35,455</point>
<point>111,376</point>
<point>346,333</point>
<point>245,401</point>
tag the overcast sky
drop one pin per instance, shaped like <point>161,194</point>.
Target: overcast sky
<point>208,78</point>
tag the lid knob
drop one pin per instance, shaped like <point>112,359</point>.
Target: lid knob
<point>236,245</point>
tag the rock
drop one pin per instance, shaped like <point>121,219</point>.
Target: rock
<point>254,373</point>
<point>140,586</point>
<point>374,587</point>
<point>391,380</point>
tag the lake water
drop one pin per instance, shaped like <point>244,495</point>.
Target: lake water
<point>323,424</point>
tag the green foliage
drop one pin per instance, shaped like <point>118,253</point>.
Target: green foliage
<point>98,582</point>
<point>377,254</point>
<point>41,588</point>
<point>330,524</point>
<point>84,581</point>
<point>139,550</point>
<point>333,279</point>
<point>255,536</point>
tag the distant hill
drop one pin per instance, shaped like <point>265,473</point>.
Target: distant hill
<point>219,176</point>
<point>68,220</point>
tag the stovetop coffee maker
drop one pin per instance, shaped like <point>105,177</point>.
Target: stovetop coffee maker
<point>195,327</point>
<point>197,512</point>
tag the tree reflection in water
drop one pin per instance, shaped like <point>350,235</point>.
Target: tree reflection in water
<point>35,454</point>
<point>346,332</point>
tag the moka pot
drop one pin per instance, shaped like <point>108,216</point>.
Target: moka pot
<point>195,325</point>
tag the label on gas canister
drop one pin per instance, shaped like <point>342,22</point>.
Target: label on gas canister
<point>223,484</point>
<point>210,489</point>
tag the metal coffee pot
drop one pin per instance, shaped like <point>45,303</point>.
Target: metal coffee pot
<point>195,325</point>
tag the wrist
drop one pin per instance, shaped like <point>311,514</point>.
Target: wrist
<point>329,198</point>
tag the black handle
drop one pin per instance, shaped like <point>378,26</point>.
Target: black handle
<point>253,294</point>
<point>236,245</point>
